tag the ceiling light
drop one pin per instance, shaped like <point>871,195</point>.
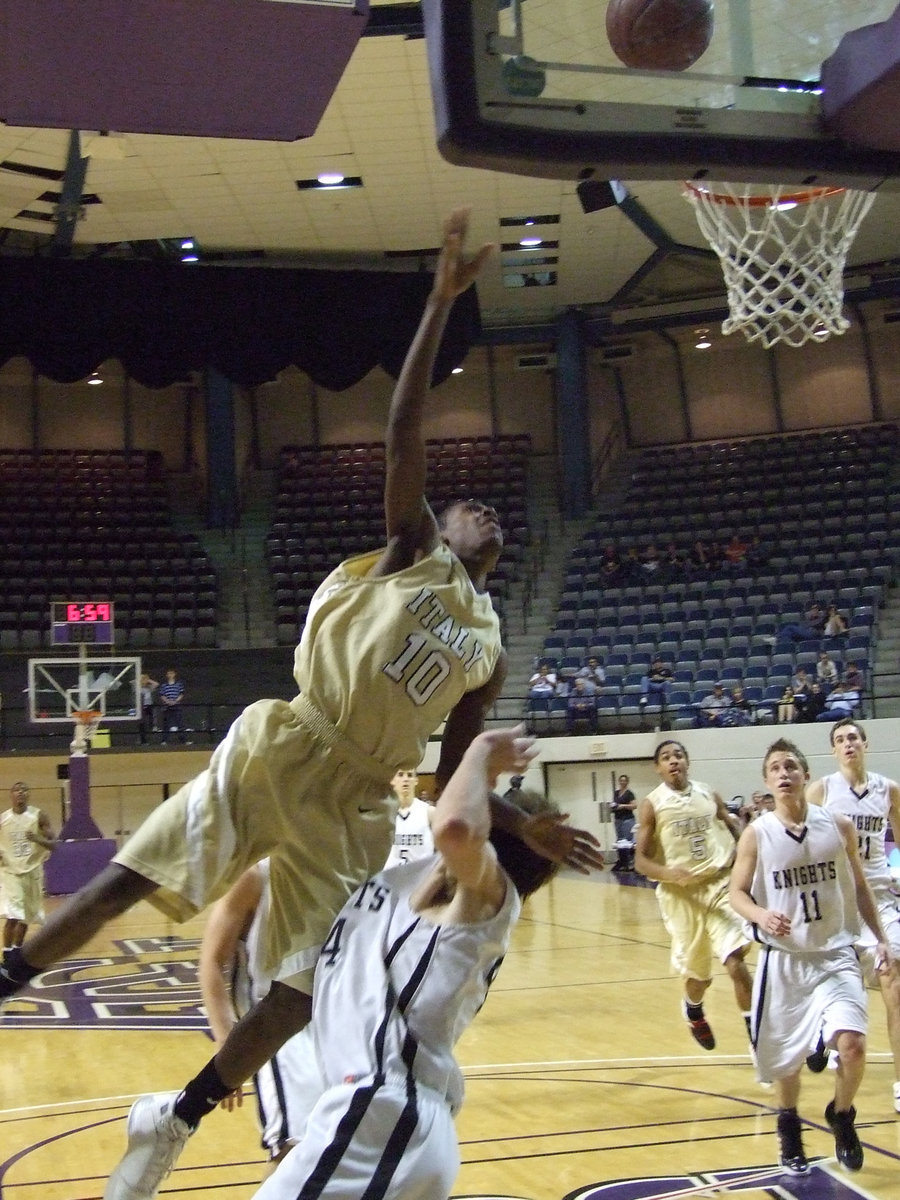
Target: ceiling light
<point>329,181</point>
<point>702,342</point>
<point>530,241</point>
<point>456,371</point>
<point>330,178</point>
<point>95,378</point>
<point>820,332</point>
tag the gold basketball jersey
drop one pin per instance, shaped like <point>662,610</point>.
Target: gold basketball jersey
<point>688,832</point>
<point>386,658</point>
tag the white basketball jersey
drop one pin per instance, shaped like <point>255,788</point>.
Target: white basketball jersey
<point>689,833</point>
<point>20,854</point>
<point>869,810</point>
<point>412,834</point>
<point>412,986</point>
<point>808,878</point>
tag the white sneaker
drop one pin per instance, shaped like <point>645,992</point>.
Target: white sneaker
<point>156,1138</point>
<point>897,1096</point>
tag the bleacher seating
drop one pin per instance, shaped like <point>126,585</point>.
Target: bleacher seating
<point>818,510</point>
<point>87,525</point>
<point>329,505</point>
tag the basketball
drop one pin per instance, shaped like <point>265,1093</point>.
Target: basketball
<point>659,35</point>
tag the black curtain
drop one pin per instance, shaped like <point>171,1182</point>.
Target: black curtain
<point>162,320</point>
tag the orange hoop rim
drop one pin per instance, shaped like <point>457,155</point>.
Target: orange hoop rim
<point>86,715</point>
<point>807,196</point>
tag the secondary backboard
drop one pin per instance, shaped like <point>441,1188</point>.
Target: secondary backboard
<point>60,687</point>
<point>533,87</point>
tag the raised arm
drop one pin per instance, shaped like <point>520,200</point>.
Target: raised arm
<point>410,523</point>
<point>462,816</point>
<point>229,920</point>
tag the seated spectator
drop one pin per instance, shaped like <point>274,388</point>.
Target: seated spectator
<point>543,683</point>
<point>741,710</point>
<point>582,704</point>
<point>835,624</point>
<point>809,629</point>
<point>854,678</point>
<point>800,685</point>
<point>755,557</point>
<point>610,564</point>
<point>593,672</point>
<point>735,551</point>
<point>655,682</point>
<point>712,708</point>
<point>815,703</point>
<point>673,564</point>
<point>631,566</point>
<point>650,562</point>
<point>699,556</point>
<point>786,710</point>
<point>826,670</point>
<point>840,702</point>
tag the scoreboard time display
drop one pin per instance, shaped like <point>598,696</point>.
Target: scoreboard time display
<point>81,623</point>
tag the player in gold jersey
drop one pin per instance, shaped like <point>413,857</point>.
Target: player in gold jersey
<point>686,841</point>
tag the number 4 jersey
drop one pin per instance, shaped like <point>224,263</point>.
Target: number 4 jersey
<point>807,877</point>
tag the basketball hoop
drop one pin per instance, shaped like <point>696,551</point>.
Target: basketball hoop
<point>86,722</point>
<point>783,254</point>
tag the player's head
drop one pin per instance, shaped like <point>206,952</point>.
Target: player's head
<point>527,869</point>
<point>19,794</point>
<point>472,531</point>
<point>841,729</point>
<point>780,755</point>
<point>404,785</point>
<point>672,763</point>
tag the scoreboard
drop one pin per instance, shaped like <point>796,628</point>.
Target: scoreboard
<point>82,623</point>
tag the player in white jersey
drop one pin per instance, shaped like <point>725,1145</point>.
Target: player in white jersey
<point>404,970</point>
<point>26,840</point>
<point>871,802</point>
<point>412,829</point>
<point>233,978</point>
<point>685,841</point>
<point>798,881</point>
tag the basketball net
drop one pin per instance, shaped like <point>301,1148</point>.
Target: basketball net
<point>86,722</point>
<point>783,254</point>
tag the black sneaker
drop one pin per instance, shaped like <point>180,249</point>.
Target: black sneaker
<point>792,1155</point>
<point>818,1060</point>
<point>701,1032</point>
<point>846,1143</point>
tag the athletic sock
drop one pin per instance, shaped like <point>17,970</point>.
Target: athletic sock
<point>15,972</point>
<point>201,1096</point>
<point>694,1012</point>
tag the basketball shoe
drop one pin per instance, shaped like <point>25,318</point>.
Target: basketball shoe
<point>847,1145</point>
<point>699,1027</point>
<point>156,1137</point>
<point>790,1140</point>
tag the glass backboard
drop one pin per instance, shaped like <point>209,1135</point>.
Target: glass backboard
<point>60,687</point>
<point>533,87</point>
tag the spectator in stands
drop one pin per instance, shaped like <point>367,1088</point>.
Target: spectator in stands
<point>809,629</point>
<point>543,683</point>
<point>815,705</point>
<point>835,623</point>
<point>840,702</point>
<point>755,557</point>
<point>148,707</point>
<point>712,707</point>
<point>735,551</point>
<point>631,566</point>
<point>741,710</point>
<point>582,704</point>
<point>171,699</point>
<point>800,685</point>
<point>786,710</point>
<point>610,565</point>
<point>593,672</point>
<point>656,682</point>
<point>699,558</point>
<point>673,564</point>
<point>854,678</point>
<point>650,562</point>
<point>623,806</point>
<point>826,670</point>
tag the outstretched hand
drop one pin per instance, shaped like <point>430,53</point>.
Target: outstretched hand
<point>507,750</point>
<point>548,835</point>
<point>454,272</point>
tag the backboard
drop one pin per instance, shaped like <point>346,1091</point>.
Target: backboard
<point>533,87</point>
<point>60,687</point>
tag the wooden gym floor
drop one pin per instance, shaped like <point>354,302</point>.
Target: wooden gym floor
<point>581,1077</point>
